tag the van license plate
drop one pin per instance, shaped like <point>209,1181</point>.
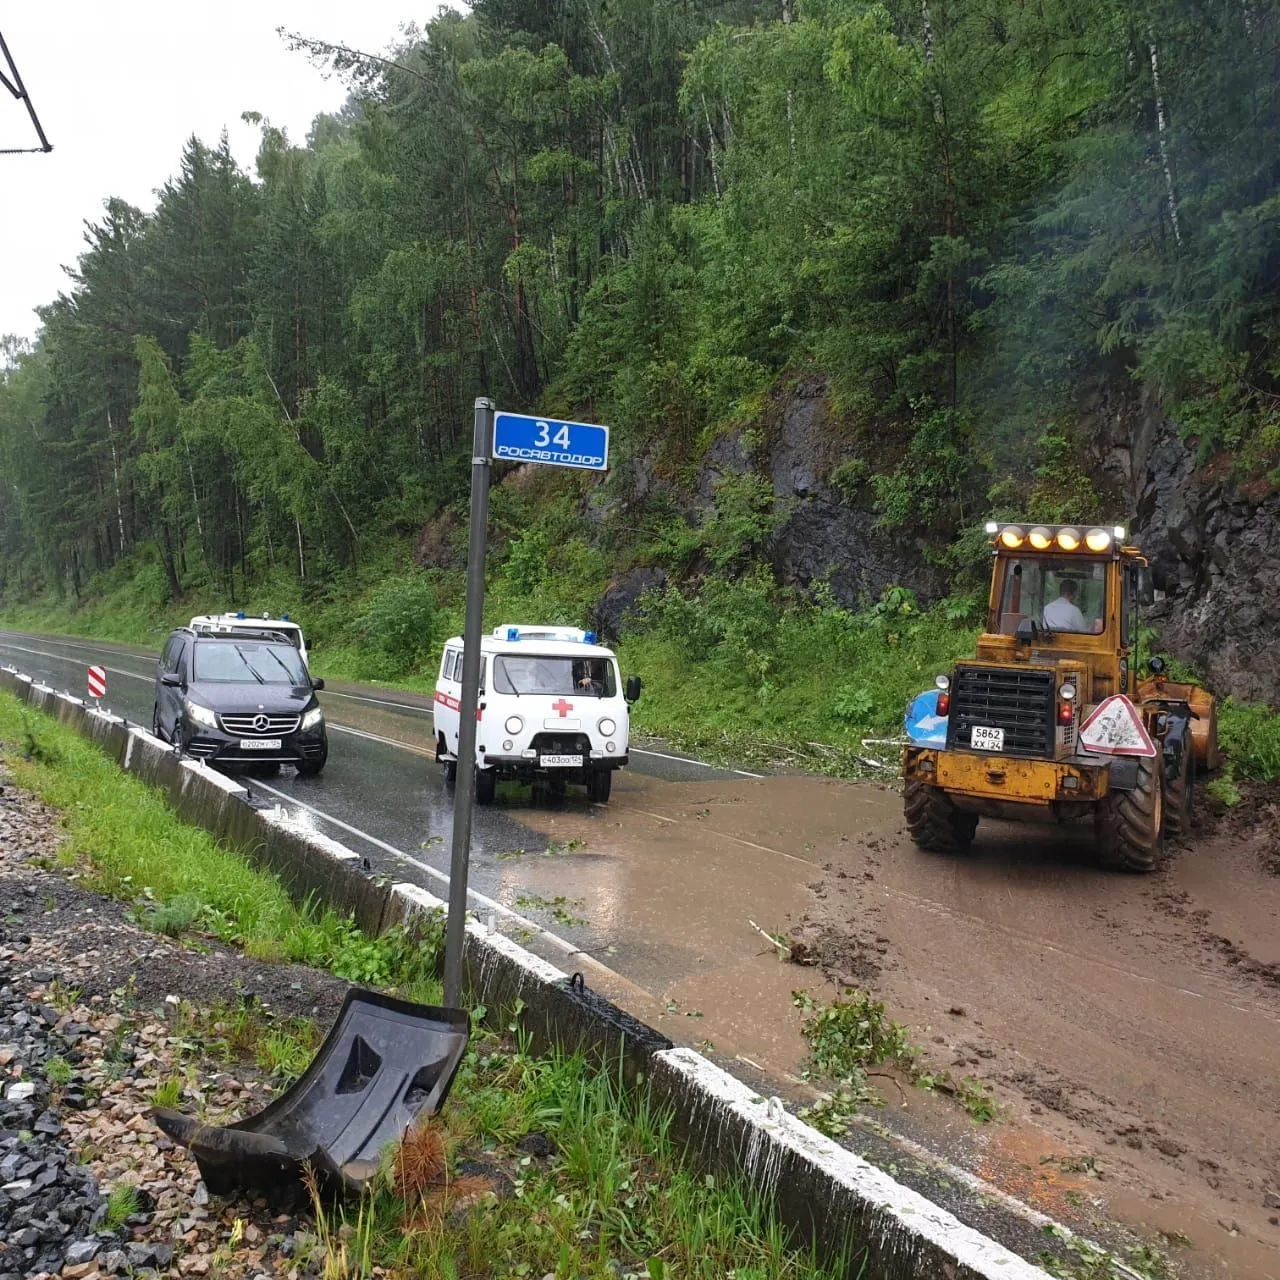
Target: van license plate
<point>987,739</point>
<point>561,762</point>
<point>260,744</point>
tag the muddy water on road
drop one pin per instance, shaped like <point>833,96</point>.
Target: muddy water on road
<point>1132,1021</point>
<point>1131,1026</point>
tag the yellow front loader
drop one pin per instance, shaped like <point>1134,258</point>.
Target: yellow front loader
<point>1050,720</point>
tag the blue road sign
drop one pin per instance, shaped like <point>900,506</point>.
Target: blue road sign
<point>520,438</point>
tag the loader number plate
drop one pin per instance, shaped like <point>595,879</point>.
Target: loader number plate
<point>985,739</point>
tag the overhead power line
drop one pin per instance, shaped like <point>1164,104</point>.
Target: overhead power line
<point>13,82</point>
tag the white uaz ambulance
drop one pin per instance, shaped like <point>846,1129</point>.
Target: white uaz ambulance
<point>239,623</point>
<point>552,706</point>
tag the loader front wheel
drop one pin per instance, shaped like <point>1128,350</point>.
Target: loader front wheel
<point>1129,823</point>
<point>934,822</point>
<point>1178,797</point>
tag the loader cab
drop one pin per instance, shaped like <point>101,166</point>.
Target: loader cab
<point>1065,594</point>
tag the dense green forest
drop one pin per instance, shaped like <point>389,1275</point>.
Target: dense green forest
<point>966,216</point>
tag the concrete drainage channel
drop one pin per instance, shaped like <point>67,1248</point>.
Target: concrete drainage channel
<point>822,1190</point>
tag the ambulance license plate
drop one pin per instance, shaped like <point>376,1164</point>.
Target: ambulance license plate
<point>560,762</point>
<point>987,739</point>
<point>260,744</point>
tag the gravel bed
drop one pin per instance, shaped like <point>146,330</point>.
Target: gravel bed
<point>95,1017</point>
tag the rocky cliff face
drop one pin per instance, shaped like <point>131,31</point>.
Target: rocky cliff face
<point>1214,548</point>
<point>1215,553</point>
<point>822,534</point>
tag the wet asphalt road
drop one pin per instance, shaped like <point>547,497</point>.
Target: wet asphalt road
<point>382,793</point>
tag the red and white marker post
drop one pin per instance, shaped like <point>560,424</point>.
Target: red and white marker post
<point>97,682</point>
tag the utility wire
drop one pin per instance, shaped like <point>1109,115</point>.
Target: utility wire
<point>19,91</point>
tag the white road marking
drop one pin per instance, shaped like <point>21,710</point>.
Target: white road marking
<point>702,764</point>
<point>62,657</point>
<point>380,702</point>
<point>377,737</point>
<point>723,835</point>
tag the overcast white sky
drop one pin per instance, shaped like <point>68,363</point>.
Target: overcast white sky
<point>119,88</point>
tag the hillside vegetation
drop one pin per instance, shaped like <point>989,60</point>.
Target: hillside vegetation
<point>968,218</point>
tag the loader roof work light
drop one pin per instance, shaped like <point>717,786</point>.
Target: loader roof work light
<point>1079,539</point>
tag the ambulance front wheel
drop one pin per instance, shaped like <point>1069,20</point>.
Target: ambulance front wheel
<point>450,768</point>
<point>486,786</point>
<point>599,784</point>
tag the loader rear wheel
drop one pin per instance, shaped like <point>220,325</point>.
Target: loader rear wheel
<point>934,822</point>
<point>1128,823</point>
<point>1178,797</point>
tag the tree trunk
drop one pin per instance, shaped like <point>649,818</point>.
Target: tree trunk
<point>1165,163</point>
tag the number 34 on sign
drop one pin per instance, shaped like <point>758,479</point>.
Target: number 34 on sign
<point>517,437</point>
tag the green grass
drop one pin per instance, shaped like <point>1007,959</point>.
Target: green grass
<point>168,1093</point>
<point>287,1048</point>
<point>617,1198</point>
<point>732,671</point>
<point>852,1034</point>
<point>122,1204</point>
<point>58,1071</point>
<point>1250,736</point>
<point>179,879</point>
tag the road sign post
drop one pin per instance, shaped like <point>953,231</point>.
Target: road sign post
<point>507,437</point>
<point>97,682</point>
<point>464,797</point>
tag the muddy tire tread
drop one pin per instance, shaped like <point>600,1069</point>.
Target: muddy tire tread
<point>1129,822</point>
<point>933,822</point>
<point>1179,798</point>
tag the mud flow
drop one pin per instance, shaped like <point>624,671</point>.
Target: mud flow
<point>1129,1026</point>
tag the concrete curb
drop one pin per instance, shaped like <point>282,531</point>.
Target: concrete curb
<point>828,1194</point>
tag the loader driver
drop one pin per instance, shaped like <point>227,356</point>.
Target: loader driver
<point>1063,615</point>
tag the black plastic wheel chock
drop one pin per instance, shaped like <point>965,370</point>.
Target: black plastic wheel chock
<point>384,1063</point>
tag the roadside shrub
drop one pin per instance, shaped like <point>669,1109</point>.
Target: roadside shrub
<point>1250,735</point>
<point>399,621</point>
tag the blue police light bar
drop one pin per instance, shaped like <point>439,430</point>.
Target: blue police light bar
<point>240,614</point>
<point>284,617</point>
<point>589,637</point>
<point>513,633</point>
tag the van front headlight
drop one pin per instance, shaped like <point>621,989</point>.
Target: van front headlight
<point>514,724</point>
<point>606,727</point>
<point>201,715</point>
<point>313,719</point>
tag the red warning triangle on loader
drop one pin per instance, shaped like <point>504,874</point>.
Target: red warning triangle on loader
<point>1115,728</point>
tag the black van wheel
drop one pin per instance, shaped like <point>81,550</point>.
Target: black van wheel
<point>486,786</point>
<point>599,785</point>
<point>309,768</point>
<point>156,731</point>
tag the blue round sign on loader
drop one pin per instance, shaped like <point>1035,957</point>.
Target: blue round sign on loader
<point>924,726</point>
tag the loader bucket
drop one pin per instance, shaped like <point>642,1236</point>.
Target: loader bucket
<point>384,1063</point>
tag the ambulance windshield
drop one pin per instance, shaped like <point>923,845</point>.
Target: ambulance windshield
<point>535,674</point>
